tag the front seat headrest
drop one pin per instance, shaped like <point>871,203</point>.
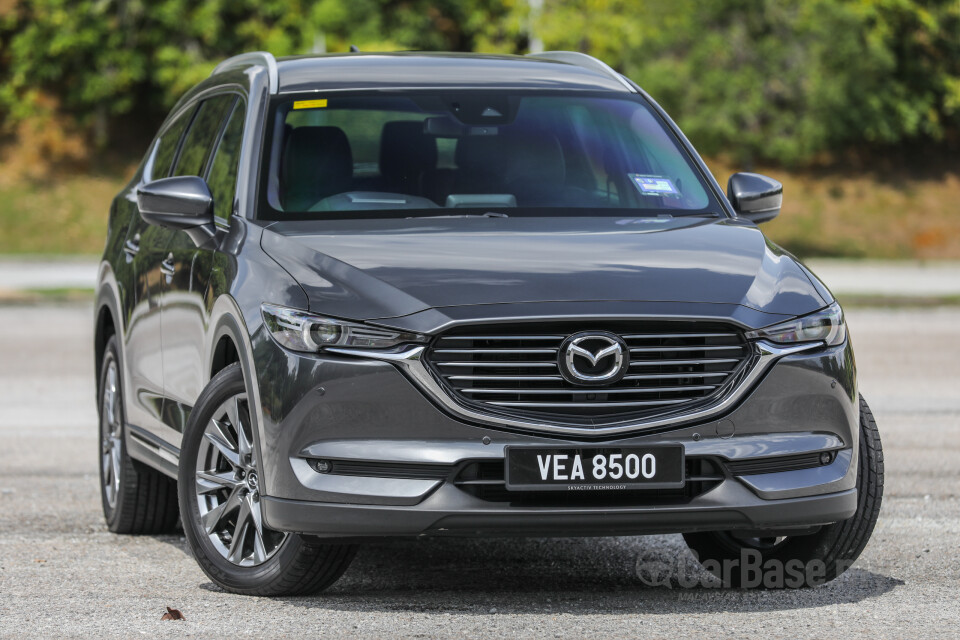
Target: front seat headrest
<point>317,162</point>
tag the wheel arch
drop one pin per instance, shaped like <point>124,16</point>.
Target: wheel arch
<point>107,321</point>
<point>230,328</point>
<point>225,353</point>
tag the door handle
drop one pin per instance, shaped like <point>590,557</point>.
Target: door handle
<point>132,246</point>
<point>167,267</point>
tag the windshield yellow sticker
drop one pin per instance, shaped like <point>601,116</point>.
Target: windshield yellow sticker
<point>310,104</point>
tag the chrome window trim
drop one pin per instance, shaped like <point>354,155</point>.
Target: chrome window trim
<point>411,363</point>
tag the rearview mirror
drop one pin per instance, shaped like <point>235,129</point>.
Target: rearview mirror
<point>443,127</point>
<point>755,197</point>
<point>183,202</point>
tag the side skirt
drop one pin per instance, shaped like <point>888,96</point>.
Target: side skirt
<point>145,447</point>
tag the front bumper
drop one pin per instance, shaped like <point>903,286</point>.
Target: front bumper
<point>367,411</point>
<point>449,512</point>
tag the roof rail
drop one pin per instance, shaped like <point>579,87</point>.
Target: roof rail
<point>585,61</point>
<point>256,57</point>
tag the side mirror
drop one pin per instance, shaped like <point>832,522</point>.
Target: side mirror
<point>182,202</point>
<point>755,197</point>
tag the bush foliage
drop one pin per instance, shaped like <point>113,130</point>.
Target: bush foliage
<point>787,81</point>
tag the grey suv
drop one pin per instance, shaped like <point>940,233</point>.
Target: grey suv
<point>361,296</point>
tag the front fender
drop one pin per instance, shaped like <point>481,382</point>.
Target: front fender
<point>108,300</point>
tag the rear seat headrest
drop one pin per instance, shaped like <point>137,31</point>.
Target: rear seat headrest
<point>405,152</point>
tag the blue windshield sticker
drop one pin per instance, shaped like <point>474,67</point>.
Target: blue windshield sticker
<point>654,185</point>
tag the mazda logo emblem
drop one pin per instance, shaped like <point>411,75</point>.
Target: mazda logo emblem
<point>593,358</point>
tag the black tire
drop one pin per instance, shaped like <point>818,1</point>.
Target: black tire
<point>823,555</point>
<point>141,500</point>
<point>297,566</point>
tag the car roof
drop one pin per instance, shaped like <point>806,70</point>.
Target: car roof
<point>359,71</point>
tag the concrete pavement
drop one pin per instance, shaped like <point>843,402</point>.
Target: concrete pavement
<point>62,574</point>
<point>907,278</point>
<point>19,274</point>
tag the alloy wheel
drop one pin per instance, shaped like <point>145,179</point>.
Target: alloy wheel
<point>228,488</point>
<point>111,434</point>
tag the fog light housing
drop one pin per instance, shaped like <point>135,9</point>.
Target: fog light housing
<point>321,466</point>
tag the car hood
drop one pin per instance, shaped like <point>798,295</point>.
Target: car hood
<point>388,268</point>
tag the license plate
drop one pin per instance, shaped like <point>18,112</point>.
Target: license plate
<point>594,468</point>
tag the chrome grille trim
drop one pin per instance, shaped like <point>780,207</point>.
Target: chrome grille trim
<point>731,347</point>
<point>410,361</point>
<point>517,367</point>
<point>587,405</point>
<point>501,337</point>
<point>535,378</point>
<point>496,351</point>
<point>503,365</point>
<point>665,376</point>
<point>652,336</point>
<point>591,390</point>
<point>649,363</point>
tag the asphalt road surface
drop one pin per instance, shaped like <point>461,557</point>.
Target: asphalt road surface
<point>63,574</point>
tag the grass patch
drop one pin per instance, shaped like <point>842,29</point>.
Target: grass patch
<point>924,302</point>
<point>57,217</point>
<point>887,214</point>
<point>39,296</point>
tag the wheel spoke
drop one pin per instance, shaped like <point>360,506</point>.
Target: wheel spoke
<point>235,554</point>
<point>116,427</point>
<point>231,455</point>
<point>259,551</point>
<point>110,396</point>
<point>212,518</point>
<point>223,432</point>
<point>115,465</point>
<point>240,421</point>
<point>107,463</point>
<point>255,517</point>
<point>210,482</point>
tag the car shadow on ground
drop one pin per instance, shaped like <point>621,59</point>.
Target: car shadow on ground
<point>582,576</point>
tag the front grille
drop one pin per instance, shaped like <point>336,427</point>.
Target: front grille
<point>514,369</point>
<point>485,480</point>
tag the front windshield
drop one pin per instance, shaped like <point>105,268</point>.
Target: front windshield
<point>477,152</point>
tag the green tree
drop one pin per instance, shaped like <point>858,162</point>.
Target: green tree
<point>100,61</point>
<point>790,81</point>
<point>782,80</point>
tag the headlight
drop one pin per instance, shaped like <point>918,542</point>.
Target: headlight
<point>302,331</point>
<point>826,326</point>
